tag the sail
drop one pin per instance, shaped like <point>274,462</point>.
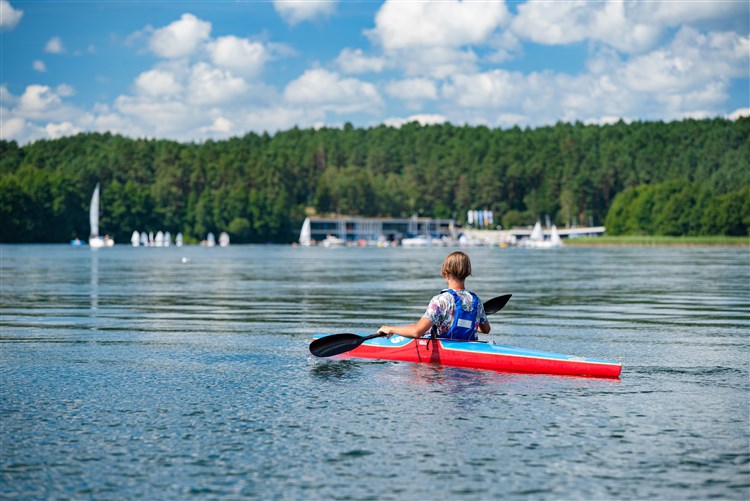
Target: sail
<point>305,234</point>
<point>536,234</point>
<point>135,239</point>
<point>94,212</point>
<point>555,240</point>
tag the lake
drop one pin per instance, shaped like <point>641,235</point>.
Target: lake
<point>177,373</point>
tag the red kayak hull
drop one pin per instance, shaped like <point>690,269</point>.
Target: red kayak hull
<point>480,355</point>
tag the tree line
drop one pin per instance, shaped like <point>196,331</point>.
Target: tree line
<point>676,178</point>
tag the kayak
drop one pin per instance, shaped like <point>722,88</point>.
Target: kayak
<point>480,355</point>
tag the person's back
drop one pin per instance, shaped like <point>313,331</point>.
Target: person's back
<point>455,313</point>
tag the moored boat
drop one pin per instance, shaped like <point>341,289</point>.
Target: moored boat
<point>481,355</point>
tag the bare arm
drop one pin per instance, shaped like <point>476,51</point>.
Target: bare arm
<point>485,328</point>
<point>413,330</point>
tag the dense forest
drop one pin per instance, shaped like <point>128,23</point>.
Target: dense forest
<point>681,178</point>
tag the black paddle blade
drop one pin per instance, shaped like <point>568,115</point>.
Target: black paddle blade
<point>335,344</point>
<point>496,304</point>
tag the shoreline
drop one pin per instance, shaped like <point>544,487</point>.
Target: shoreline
<point>658,241</point>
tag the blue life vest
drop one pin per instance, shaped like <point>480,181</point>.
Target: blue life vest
<point>464,322</point>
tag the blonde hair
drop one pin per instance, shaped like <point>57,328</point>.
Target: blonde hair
<point>457,264</point>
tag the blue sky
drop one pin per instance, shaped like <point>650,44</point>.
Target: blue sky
<point>195,70</point>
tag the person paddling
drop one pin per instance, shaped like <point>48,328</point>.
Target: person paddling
<point>455,313</point>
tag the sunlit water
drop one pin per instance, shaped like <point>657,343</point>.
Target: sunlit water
<point>128,373</point>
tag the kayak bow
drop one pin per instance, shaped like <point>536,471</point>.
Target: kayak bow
<point>480,355</point>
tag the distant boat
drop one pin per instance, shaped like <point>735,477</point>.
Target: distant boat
<point>537,241</point>
<point>135,239</point>
<point>331,241</point>
<point>95,241</point>
<point>178,240</point>
<point>210,240</point>
<point>167,239</point>
<point>418,241</point>
<point>305,234</point>
<point>144,239</point>
<point>159,239</point>
<point>224,239</point>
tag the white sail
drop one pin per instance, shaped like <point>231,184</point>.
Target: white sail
<point>95,241</point>
<point>159,239</point>
<point>94,213</point>
<point>144,239</point>
<point>224,239</point>
<point>167,239</point>
<point>305,234</point>
<point>178,240</point>
<point>135,239</point>
<point>555,240</point>
<point>536,234</point>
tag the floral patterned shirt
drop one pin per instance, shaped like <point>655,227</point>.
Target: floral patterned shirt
<point>441,308</point>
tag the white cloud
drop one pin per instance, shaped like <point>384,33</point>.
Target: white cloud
<point>37,98</point>
<point>9,17</point>
<point>214,86</point>
<point>415,89</point>
<point>180,38</point>
<point>691,61</point>
<point>435,62</point>
<point>632,27</point>
<point>564,22</point>
<point>58,130</point>
<point>328,91</point>
<point>420,119</point>
<point>39,66</point>
<point>157,83</point>
<point>238,54</point>
<point>452,23</point>
<point>739,113</point>
<point>297,11</point>
<point>355,61</point>
<point>13,128</point>
<point>495,89</point>
<point>54,46</point>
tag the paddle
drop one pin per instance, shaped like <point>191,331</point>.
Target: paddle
<point>496,304</point>
<point>337,344</point>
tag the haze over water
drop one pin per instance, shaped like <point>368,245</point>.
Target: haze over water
<point>126,373</point>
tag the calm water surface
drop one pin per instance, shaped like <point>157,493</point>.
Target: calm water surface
<point>126,373</point>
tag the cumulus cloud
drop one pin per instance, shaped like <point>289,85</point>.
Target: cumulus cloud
<point>39,66</point>
<point>415,89</point>
<point>9,17</point>
<point>328,91</point>
<point>296,11</point>
<point>157,83</point>
<point>355,61</point>
<point>238,54</point>
<point>54,46</point>
<point>631,27</point>
<point>739,113</point>
<point>210,85</point>
<point>400,25</point>
<point>180,38</point>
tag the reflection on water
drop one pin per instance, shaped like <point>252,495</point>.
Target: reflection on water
<point>135,373</point>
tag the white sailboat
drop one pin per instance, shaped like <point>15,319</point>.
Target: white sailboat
<point>224,239</point>
<point>537,241</point>
<point>305,234</point>
<point>135,239</point>
<point>95,241</point>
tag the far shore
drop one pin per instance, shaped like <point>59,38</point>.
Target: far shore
<point>644,240</point>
